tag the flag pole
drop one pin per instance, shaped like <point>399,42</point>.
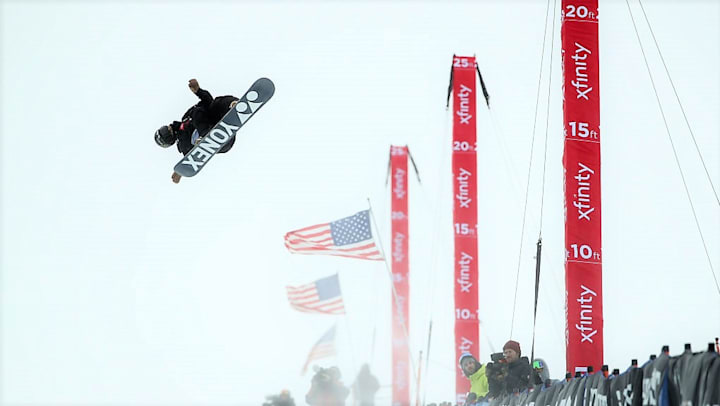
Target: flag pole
<point>417,385</point>
<point>347,329</point>
<point>310,357</point>
<point>394,292</point>
<point>427,360</point>
<point>387,174</point>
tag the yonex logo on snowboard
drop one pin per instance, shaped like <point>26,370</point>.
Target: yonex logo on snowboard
<point>210,145</point>
<point>245,110</point>
<point>217,138</point>
<point>221,135</point>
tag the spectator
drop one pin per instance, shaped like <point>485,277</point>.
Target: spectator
<point>327,389</point>
<point>475,372</point>
<point>497,371</point>
<point>541,372</point>
<point>283,399</point>
<point>519,371</point>
<point>365,387</point>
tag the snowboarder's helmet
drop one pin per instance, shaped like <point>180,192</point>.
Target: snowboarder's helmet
<point>165,137</point>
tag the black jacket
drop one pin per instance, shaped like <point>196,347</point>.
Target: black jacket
<point>202,117</point>
<point>496,373</point>
<point>505,379</point>
<point>518,377</point>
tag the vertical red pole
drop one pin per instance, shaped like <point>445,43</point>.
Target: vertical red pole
<point>464,166</point>
<point>400,273</point>
<point>581,162</point>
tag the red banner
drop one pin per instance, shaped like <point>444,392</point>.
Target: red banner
<point>464,164</point>
<point>400,273</point>
<point>581,161</point>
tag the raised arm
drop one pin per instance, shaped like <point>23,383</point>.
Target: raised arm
<point>204,96</point>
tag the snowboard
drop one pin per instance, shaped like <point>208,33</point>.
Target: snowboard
<point>259,93</point>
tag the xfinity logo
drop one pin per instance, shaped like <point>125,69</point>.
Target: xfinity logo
<point>581,77</point>
<point>464,111</point>
<point>397,215</point>
<point>398,252</point>
<point>585,326</point>
<point>597,398</point>
<point>582,197</point>
<point>649,387</point>
<point>399,188</point>
<point>464,281</point>
<point>399,306</point>
<point>463,186</point>
<point>396,151</point>
<point>401,372</point>
<point>465,345</point>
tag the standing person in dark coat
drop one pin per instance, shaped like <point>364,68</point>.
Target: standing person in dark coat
<point>196,122</point>
<point>365,387</point>
<point>519,371</point>
<point>327,389</point>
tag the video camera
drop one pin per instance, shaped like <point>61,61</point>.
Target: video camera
<point>283,399</point>
<point>497,357</point>
<point>498,368</point>
<point>323,377</point>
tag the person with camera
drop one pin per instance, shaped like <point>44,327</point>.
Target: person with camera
<point>497,370</point>
<point>326,388</point>
<point>475,372</point>
<point>519,371</point>
<point>509,372</point>
<point>283,399</point>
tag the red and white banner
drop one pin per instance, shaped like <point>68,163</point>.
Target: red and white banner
<point>400,274</point>
<point>464,166</point>
<point>581,161</point>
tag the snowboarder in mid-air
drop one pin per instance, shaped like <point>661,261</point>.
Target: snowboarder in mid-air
<point>195,123</point>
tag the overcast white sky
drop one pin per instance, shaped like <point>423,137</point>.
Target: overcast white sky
<point>118,286</point>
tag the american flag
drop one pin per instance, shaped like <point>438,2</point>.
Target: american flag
<point>347,237</point>
<point>321,296</point>
<point>323,348</point>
